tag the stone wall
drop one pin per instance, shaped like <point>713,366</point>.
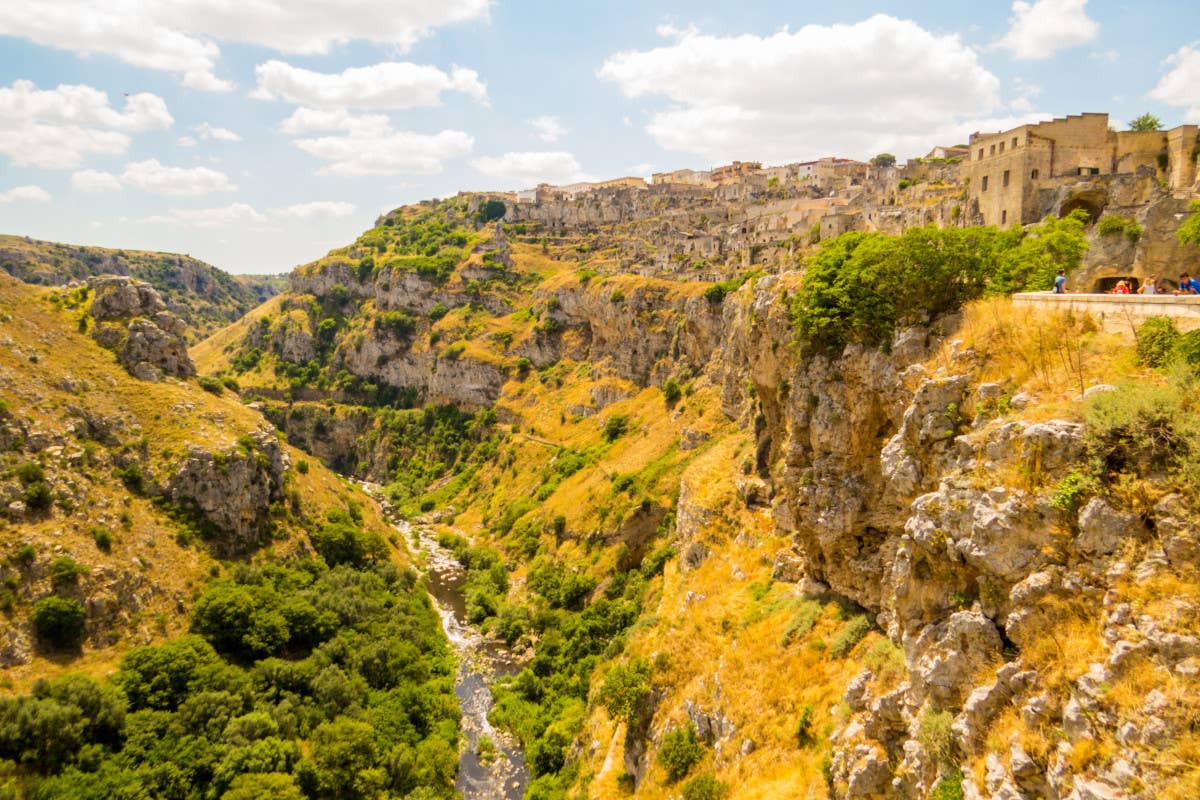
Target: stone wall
<point>1117,312</point>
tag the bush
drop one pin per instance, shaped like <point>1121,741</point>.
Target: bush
<point>1188,348</point>
<point>804,727</point>
<point>103,539</point>
<point>302,466</point>
<point>617,296</point>
<point>491,211</point>
<point>1157,339</point>
<point>853,633</point>
<point>59,622</point>
<point>1072,491</point>
<point>935,734</point>
<point>30,472</point>
<point>38,496</point>
<point>438,311</point>
<point>1141,429</point>
<point>680,750</point>
<point>210,384</point>
<point>625,691</point>
<point>949,787</point>
<point>704,787</point>
<point>671,391</point>
<point>131,475</point>
<point>715,294</point>
<point>615,427</point>
<point>65,571</point>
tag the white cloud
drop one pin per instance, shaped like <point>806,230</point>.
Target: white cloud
<point>390,85</point>
<point>383,151</point>
<point>178,35</point>
<point>186,141</point>
<point>235,214</point>
<point>1040,29</point>
<point>156,178</point>
<point>25,194</point>
<point>316,210</point>
<point>206,132</point>
<point>56,128</point>
<point>850,90</point>
<point>548,128</point>
<point>1181,86</point>
<point>311,120</point>
<point>521,170</point>
<point>90,180</point>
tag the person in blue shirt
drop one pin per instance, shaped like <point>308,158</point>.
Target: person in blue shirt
<point>1188,285</point>
<point>1060,283</point>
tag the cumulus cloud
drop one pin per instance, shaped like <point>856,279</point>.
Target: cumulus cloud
<point>1181,85</point>
<point>157,178</point>
<point>318,209</point>
<point>311,120</point>
<point>390,85</point>
<point>235,214</point>
<point>206,132</point>
<point>56,128</point>
<point>851,90</point>
<point>90,180</point>
<point>384,151</point>
<point>548,128</point>
<point>186,141</point>
<point>521,170</point>
<point>25,194</point>
<point>178,36</point>
<point>1040,29</point>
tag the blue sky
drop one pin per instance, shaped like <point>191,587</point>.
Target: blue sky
<point>257,136</point>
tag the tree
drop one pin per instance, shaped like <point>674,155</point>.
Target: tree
<point>491,211</point>
<point>1189,231</point>
<point>884,160</point>
<point>59,622</point>
<point>1146,122</point>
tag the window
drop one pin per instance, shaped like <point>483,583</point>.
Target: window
<point>981,154</point>
<point>983,186</point>
<point>1004,217</point>
<point>1005,181</point>
<point>1014,143</point>
<point>992,151</point>
<point>1034,175</point>
<point>1002,147</point>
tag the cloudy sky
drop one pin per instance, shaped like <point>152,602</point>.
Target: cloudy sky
<point>258,135</point>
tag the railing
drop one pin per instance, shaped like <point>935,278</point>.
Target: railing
<point>1118,311</point>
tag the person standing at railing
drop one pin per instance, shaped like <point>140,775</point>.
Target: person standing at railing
<point>1188,285</point>
<point>1060,283</point>
<point>1150,286</point>
<point>1121,288</point>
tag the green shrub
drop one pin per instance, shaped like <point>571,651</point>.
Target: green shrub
<point>59,622</point>
<point>38,496</point>
<point>490,211</point>
<point>30,472</point>
<point>103,539</point>
<point>1142,429</point>
<point>704,787</point>
<point>617,296</point>
<point>715,293</point>
<point>438,311</point>
<point>615,427</point>
<point>1073,490</point>
<point>935,734</point>
<point>25,555</point>
<point>671,391</point>
<point>131,475</point>
<point>850,635</point>
<point>802,623</point>
<point>230,383</point>
<point>626,690</point>
<point>1113,225</point>
<point>302,466</point>
<point>210,384</point>
<point>679,751</point>
<point>949,787</point>
<point>804,727</point>
<point>1188,348</point>
<point>1157,339</point>
<point>65,571</point>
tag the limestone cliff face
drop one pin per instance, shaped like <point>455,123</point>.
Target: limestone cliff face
<point>896,484</point>
<point>132,320</point>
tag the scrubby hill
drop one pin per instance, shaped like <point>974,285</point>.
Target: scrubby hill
<point>853,529</point>
<point>205,297</point>
<point>190,607</point>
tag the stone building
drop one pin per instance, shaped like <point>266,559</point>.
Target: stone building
<point>1007,171</point>
<point>735,171</point>
<point>687,177</point>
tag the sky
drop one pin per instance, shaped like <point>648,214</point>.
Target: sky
<point>259,135</point>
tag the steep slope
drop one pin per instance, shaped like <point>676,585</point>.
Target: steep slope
<point>783,534</point>
<point>205,297</point>
<point>190,606</point>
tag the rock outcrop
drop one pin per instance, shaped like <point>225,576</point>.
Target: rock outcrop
<point>133,321</point>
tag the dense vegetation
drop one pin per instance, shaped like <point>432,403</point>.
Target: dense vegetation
<point>860,286</point>
<point>298,681</point>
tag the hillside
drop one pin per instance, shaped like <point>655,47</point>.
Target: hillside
<point>776,534</point>
<point>205,297</point>
<point>190,606</point>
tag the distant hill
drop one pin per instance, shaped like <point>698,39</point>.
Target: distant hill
<point>204,296</point>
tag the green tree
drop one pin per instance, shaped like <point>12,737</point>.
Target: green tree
<point>884,160</point>
<point>1146,122</point>
<point>626,690</point>
<point>255,786</point>
<point>59,622</point>
<point>680,749</point>
<point>1189,231</point>
<point>344,754</point>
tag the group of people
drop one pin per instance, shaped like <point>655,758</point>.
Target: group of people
<point>1187,285</point>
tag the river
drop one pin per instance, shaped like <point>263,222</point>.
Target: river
<point>481,660</point>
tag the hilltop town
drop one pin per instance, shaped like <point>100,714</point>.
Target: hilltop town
<point>711,223</point>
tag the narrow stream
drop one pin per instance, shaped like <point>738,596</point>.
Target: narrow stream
<point>480,661</point>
